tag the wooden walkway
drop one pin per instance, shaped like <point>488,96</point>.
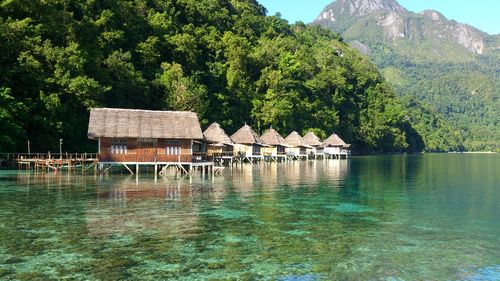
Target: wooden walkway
<point>89,162</point>
<point>78,162</point>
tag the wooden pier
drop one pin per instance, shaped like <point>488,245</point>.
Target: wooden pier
<point>82,162</point>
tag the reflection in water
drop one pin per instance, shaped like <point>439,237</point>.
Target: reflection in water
<point>122,194</point>
<point>432,217</point>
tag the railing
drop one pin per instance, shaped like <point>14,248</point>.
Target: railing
<point>223,154</point>
<point>42,156</point>
<point>201,157</point>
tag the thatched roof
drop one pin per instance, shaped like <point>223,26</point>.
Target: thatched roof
<point>132,123</point>
<point>272,137</point>
<point>215,134</point>
<point>311,139</point>
<point>294,139</point>
<point>245,135</point>
<point>333,140</point>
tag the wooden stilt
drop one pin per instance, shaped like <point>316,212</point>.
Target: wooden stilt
<point>128,168</point>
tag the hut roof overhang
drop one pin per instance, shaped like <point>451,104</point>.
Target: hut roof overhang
<point>217,136</point>
<point>273,138</point>
<point>311,139</point>
<point>245,135</point>
<point>133,123</point>
<point>294,139</point>
<point>333,141</point>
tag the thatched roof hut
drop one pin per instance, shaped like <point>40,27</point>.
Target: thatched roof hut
<point>334,141</point>
<point>296,140</point>
<point>311,139</point>
<point>245,135</point>
<point>272,137</point>
<point>215,134</point>
<point>133,123</point>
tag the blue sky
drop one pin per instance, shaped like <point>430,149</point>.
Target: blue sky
<point>483,14</point>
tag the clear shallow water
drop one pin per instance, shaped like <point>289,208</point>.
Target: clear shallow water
<point>432,217</point>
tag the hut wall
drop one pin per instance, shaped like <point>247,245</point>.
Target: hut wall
<point>145,150</point>
<point>214,150</point>
<point>318,150</point>
<point>332,150</point>
<point>242,149</point>
<point>226,150</point>
<point>310,151</point>
<point>295,151</point>
<point>269,151</point>
<point>247,150</point>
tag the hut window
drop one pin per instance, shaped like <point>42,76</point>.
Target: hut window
<point>256,149</point>
<point>118,146</point>
<point>281,149</point>
<point>173,148</point>
<point>147,143</point>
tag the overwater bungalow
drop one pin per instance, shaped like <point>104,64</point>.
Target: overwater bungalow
<point>145,137</point>
<point>312,140</point>
<point>335,147</point>
<point>276,145</point>
<point>221,147</point>
<point>298,147</point>
<point>247,144</point>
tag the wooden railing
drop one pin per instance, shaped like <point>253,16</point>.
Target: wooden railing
<point>223,154</point>
<point>15,156</point>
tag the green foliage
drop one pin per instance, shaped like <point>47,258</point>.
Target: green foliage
<point>10,123</point>
<point>465,95</point>
<point>223,59</point>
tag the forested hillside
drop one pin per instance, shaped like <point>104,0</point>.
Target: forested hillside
<point>223,59</point>
<point>450,67</point>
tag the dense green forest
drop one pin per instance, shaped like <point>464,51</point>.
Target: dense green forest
<point>465,94</point>
<point>224,59</point>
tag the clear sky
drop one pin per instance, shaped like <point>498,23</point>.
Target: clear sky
<point>483,14</point>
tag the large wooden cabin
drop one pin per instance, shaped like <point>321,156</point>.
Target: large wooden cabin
<point>130,136</point>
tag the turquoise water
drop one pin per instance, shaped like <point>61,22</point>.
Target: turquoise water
<point>431,217</point>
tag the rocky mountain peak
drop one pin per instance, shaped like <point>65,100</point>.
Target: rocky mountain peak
<point>359,8</point>
<point>434,15</point>
<point>387,22</point>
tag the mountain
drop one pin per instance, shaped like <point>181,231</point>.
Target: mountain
<point>450,66</point>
